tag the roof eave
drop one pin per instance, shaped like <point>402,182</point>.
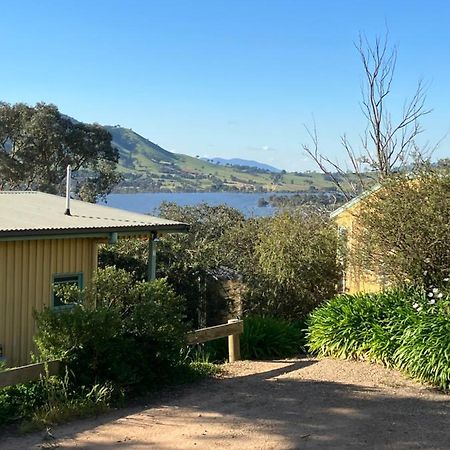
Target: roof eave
<point>91,232</point>
<point>354,201</point>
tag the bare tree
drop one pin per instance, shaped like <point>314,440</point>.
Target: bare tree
<point>387,144</point>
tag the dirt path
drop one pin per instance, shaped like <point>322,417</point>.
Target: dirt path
<point>290,404</point>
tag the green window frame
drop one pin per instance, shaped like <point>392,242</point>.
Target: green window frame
<point>74,279</point>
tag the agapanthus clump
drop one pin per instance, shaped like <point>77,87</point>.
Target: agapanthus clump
<point>434,297</point>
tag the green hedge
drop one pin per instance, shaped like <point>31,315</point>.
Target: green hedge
<point>408,329</point>
<point>263,338</point>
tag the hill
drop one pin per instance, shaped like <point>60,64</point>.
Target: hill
<point>242,163</point>
<point>146,166</point>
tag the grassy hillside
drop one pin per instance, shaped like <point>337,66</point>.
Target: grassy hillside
<point>148,167</point>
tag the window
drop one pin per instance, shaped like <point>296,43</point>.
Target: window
<point>68,279</point>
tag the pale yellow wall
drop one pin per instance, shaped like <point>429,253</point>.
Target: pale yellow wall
<point>26,270</point>
<point>356,278</point>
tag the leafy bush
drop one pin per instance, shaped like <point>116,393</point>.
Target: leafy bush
<point>287,264</point>
<point>63,404</point>
<point>125,332</point>
<point>20,401</point>
<point>263,338</point>
<point>50,401</point>
<point>129,254</point>
<point>269,337</point>
<point>404,229</point>
<point>296,255</point>
<point>424,349</point>
<point>360,326</point>
<point>406,328</point>
<point>184,259</point>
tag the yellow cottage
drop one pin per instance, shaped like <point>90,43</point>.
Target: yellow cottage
<point>355,279</point>
<point>41,246</point>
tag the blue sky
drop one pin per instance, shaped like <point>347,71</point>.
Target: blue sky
<point>223,78</point>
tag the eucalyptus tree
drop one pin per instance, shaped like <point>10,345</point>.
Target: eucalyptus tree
<point>38,142</point>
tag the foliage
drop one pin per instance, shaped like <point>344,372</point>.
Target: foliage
<point>287,263</point>
<point>405,328</point>
<point>361,325</point>
<point>196,369</point>
<point>123,332</point>
<point>296,255</point>
<point>37,143</point>
<point>263,338</point>
<point>189,260</point>
<point>268,337</point>
<point>186,260</point>
<point>201,247</point>
<point>17,402</point>
<point>49,401</point>
<point>423,349</point>
<point>404,227</point>
<point>64,403</point>
<point>130,254</point>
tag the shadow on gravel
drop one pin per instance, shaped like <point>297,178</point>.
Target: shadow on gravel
<point>306,413</point>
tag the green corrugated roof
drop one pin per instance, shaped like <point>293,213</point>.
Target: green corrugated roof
<point>25,213</point>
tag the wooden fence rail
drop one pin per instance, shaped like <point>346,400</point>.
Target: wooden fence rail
<point>232,329</point>
<point>32,372</point>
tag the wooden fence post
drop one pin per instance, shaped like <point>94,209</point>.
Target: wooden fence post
<point>232,329</point>
<point>234,347</point>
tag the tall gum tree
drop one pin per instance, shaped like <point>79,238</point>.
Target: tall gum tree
<point>38,142</point>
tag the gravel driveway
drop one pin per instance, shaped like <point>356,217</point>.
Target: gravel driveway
<point>289,404</point>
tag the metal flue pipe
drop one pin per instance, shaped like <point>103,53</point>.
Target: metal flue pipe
<point>68,180</point>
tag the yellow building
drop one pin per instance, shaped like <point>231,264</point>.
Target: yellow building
<point>356,278</point>
<point>41,246</point>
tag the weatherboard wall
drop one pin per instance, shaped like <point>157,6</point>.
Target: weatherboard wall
<point>26,272</point>
<point>356,278</point>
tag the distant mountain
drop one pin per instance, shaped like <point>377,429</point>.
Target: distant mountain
<point>242,163</point>
<point>146,166</point>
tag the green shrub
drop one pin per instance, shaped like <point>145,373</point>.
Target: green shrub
<point>125,332</point>
<point>20,401</point>
<point>194,371</point>
<point>296,255</point>
<point>403,228</point>
<point>406,328</point>
<point>90,341</point>
<point>269,337</point>
<point>49,401</point>
<point>424,350</point>
<point>263,338</point>
<point>287,263</point>
<point>361,326</point>
<point>63,404</point>
<point>186,260</point>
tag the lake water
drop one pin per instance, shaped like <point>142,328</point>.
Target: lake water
<point>149,202</point>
